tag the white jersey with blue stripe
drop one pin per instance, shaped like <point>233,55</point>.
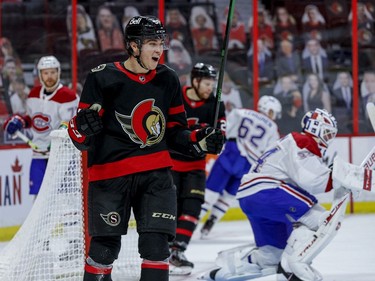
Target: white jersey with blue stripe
<point>253,131</point>
<point>295,160</point>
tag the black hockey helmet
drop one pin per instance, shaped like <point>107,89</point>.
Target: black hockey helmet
<point>140,28</point>
<point>201,70</point>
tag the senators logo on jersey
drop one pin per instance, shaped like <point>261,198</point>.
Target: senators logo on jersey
<point>146,125</point>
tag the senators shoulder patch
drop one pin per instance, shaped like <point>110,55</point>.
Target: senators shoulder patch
<point>98,68</point>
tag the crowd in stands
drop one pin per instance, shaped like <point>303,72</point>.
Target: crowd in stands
<point>304,50</point>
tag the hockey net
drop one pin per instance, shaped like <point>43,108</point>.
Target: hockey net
<point>51,243</point>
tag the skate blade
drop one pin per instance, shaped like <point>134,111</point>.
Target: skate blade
<point>180,270</point>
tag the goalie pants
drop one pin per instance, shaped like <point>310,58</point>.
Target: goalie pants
<point>271,212</point>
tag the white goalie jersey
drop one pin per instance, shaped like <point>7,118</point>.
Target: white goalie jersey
<point>253,132</point>
<point>295,160</point>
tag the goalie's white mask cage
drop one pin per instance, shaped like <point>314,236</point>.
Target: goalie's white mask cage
<point>50,244</point>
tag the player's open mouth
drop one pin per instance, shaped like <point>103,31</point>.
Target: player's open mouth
<point>156,59</point>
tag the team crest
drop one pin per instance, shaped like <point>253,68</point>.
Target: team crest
<point>146,125</point>
<point>98,68</point>
<point>112,218</point>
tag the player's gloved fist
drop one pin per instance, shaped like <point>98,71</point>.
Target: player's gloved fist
<point>89,122</point>
<point>208,140</point>
<point>14,124</point>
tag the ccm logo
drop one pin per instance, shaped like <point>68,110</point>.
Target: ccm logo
<point>163,216</point>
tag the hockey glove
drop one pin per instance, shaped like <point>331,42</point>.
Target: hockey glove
<point>206,140</point>
<point>89,122</point>
<point>14,124</point>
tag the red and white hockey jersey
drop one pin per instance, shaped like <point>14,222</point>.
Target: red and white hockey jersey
<point>47,112</point>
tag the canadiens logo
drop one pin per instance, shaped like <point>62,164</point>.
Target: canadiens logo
<point>146,125</point>
<point>112,218</point>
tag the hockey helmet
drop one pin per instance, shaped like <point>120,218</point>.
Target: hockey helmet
<point>321,124</point>
<point>48,62</point>
<point>201,70</point>
<point>140,28</point>
<point>267,103</point>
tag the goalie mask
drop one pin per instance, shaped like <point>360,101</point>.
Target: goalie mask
<point>267,103</point>
<point>49,62</point>
<point>320,124</point>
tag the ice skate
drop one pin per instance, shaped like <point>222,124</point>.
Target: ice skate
<point>179,264</point>
<point>206,228</point>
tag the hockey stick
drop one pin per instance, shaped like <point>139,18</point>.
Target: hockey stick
<point>370,107</point>
<point>224,54</point>
<point>20,135</point>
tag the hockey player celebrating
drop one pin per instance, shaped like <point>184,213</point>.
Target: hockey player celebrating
<point>48,106</point>
<point>249,133</point>
<point>277,196</point>
<point>130,114</point>
<point>189,171</point>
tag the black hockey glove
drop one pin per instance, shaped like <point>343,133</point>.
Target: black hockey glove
<point>206,140</point>
<point>89,122</point>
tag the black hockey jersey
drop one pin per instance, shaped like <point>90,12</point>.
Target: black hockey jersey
<point>199,114</point>
<point>140,114</point>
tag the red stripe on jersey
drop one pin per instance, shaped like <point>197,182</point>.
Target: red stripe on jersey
<point>130,165</point>
<point>297,194</point>
<point>173,124</point>
<point>82,105</point>
<point>97,270</point>
<point>185,166</point>
<point>191,103</point>
<point>329,184</point>
<point>35,92</point>
<point>64,95</point>
<point>188,218</point>
<point>155,265</point>
<point>141,78</point>
<point>176,109</point>
<point>184,232</point>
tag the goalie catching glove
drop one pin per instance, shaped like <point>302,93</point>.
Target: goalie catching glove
<point>206,140</point>
<point>86,123</point>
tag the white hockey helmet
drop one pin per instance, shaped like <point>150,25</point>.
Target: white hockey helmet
<point>321,124</point>
<point>267,103</point>
<point>48,62</point>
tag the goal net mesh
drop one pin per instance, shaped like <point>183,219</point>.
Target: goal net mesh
<point>50,245</point>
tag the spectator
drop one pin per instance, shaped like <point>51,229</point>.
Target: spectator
<point>342,101</point>
<point>315,94</point>
<point>230,95</point>
<point>202,30</point>
<point>288,62</point>
<point>86,38</point>
<point>178,29</point>
<point>109,31</point>
<point>265,29</point>
<point>365,25</point>
<point>48,106</point>
<point>313,23</point>
<point>290,97</point>
<point>179,59</point>
<point>367,89</point>
<point>265,62</point>
<point>314,59</point>
<point>237,36</point>
<point>7,51</point>
<point>285,26</point>
<point>18,93</point>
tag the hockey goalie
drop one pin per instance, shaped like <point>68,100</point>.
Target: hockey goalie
<point>278,197</point>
